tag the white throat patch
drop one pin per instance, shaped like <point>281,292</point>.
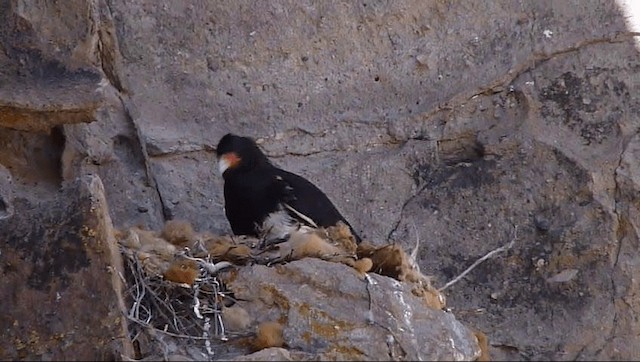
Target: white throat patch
<point>223,165</point>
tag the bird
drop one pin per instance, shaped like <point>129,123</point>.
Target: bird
<point>268,202</point>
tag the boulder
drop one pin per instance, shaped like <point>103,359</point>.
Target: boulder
<point>61,270</point>
<point>327,310</point>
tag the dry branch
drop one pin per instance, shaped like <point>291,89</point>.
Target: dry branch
<point>487,256</point>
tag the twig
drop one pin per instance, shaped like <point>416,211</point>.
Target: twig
<point>219,330</point>
<point>414,252</point>
<point>146,325</point>
<point>413,257</point>
<point>155,304</point>
<point>161,304</point>
<point>208,265</point>
<point>205,335</point>
<point>487,256</point>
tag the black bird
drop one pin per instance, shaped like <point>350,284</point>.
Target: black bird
<point>259,196</point>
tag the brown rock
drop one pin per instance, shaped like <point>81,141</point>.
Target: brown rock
<point>62,259</point>
<point>48,74</point>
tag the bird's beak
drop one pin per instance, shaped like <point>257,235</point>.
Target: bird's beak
<point>227,161</point>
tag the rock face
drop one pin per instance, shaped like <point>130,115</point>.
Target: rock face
<point>451,123</point>
<point>62,295</point>
<point>327,310</point>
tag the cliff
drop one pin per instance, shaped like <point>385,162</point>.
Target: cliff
<point>463,126</point>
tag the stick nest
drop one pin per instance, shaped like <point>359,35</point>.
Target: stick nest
<point>175,300</point>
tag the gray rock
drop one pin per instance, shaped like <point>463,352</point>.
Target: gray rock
<point>48,78</point>
<point>421,121</point>
<point>267,354</point>
<point>6,193</point>
<point>328,311</point>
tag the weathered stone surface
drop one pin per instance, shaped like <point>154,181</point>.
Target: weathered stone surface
<point>6,193</point>
<point>549,162</point>
<point>327,310</point>
<point>47,77</point>
<point>279,354</point>
<point>61,289</point>
<point>267,354</point>
<point>33,163</point>
<point>110,148</point>
<point>444,122</point>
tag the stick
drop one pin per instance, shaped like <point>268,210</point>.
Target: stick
<point>146,325</point>
<point>487,256</point>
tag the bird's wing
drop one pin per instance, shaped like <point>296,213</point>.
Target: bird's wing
<point>304,202</point>
<point>309,201</point>
<point>280,190</point>
<point>286,196</point>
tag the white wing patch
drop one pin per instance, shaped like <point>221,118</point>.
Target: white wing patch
<point>280,225</point>
<point>302,216</point>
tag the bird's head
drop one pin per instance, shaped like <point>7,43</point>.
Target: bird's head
<point>239,153</point>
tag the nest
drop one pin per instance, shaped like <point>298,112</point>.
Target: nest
<point>184,304</point>
<point>174,297</point>
<point>176,301</point>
